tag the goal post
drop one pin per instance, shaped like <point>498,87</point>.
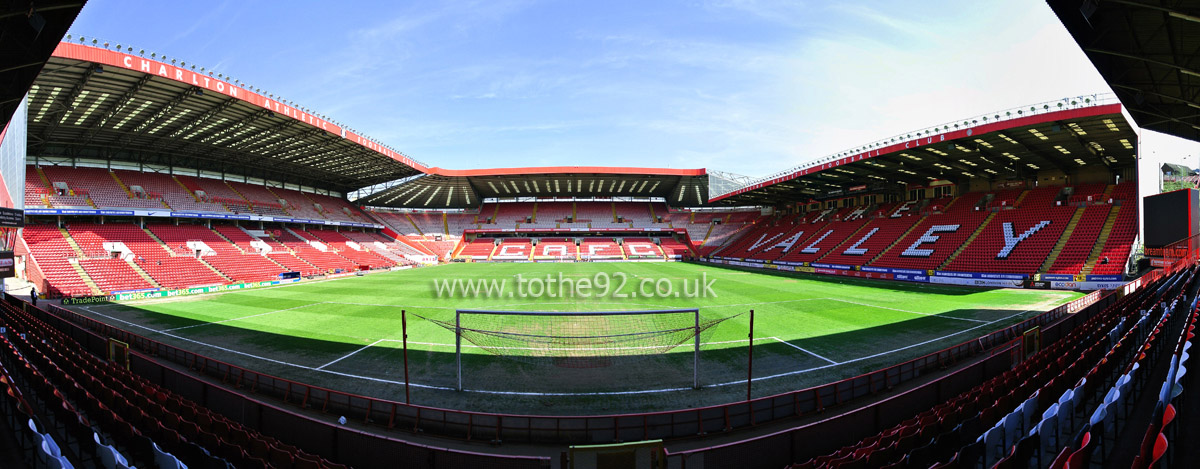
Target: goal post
<point>582,340</point>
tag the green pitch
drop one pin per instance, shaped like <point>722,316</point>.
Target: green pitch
<point>346,333</point>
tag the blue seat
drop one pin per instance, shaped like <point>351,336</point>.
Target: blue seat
<point>1048,429</point>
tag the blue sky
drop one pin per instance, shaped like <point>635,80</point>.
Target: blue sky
<point>745,86</point>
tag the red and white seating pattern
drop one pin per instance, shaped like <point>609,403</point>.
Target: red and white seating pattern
<point>871,240</point>
<point>599,248</point>
<point>933,240</point>
<point>641,248</point>
<point>555,248</point>
<point>823,240</point>
<point>1015,241</point>
<point>512,249</point>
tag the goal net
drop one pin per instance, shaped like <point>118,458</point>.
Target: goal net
<point>587,350</point>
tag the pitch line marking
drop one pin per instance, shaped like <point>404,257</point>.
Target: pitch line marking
<point>797,347</point>
<point>241,318</point>
<point>601,393</point>
<point>349,354</point>
<point>266,359</point>
<point>880,354</point>
<point>911,312</point>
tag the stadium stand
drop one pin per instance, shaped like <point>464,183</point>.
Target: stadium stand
<point>341,244</point>
<point>1060,407</point>
<point>478,248</point>
<point>600,248</point>
<point>596,215</point>
<point>823,240</point>
<point>641,248</point>
<point>171,267</point>
<point>100,186</point>
<point>90,410</point>
<point>169,189</point>
<point>1074,254</point>
<point>51,250</point>
<point>1016,241</point>
<point>1118,234</point>
<point>672,247</point>
<point>551,213</point>
<point>556,248</point>
<point>457,222</point>
<point>512,249</point>
<point>325,261</point>
<point>872,239</point>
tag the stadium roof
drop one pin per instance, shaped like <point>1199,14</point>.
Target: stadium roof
<point>29,32</point>
<point>1012,144</point>
<point>455,189</point>
<point>1149,53</point>
<point>112,103</point>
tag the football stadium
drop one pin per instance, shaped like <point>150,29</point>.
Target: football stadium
<point>202,274</point>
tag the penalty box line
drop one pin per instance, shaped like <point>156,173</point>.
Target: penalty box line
<point>267,359</point>
<point>797,347</point>
<point>322,367</point>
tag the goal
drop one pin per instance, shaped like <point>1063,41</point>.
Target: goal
<point>597,347</point>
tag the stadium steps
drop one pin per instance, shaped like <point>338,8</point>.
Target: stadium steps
<point>445,225</point>
<point>1094,256</point>
<point>838,247</point>
<point>1108,190</point>
<point>533,217</point>
<point>1062,240</point>
<point>974,235</point>
<point>494,248</point>
<point>414,223</point>
<point>186,189</point>
<point>71,242</point>
<point>159,241</point>
<point>899,238</point>
<point>707,234</point>
<point>1020,198</point>
<point>951,204</point>
<point>243,196</point>
<point>121,184</point>
<point>205,263</point>
<point>141,273</point>
<point>495,214</point>
<point>87,279</point>
<point>42,175</point>
<point>653,217</point>
<point>235,246</point>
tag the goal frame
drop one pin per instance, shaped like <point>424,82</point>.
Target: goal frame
<point>458,313</point>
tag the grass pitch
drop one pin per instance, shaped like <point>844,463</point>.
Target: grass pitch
<point>346,333</point>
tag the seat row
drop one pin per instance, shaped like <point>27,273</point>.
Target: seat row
<point>985,424</point>
<point>145,421</point>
